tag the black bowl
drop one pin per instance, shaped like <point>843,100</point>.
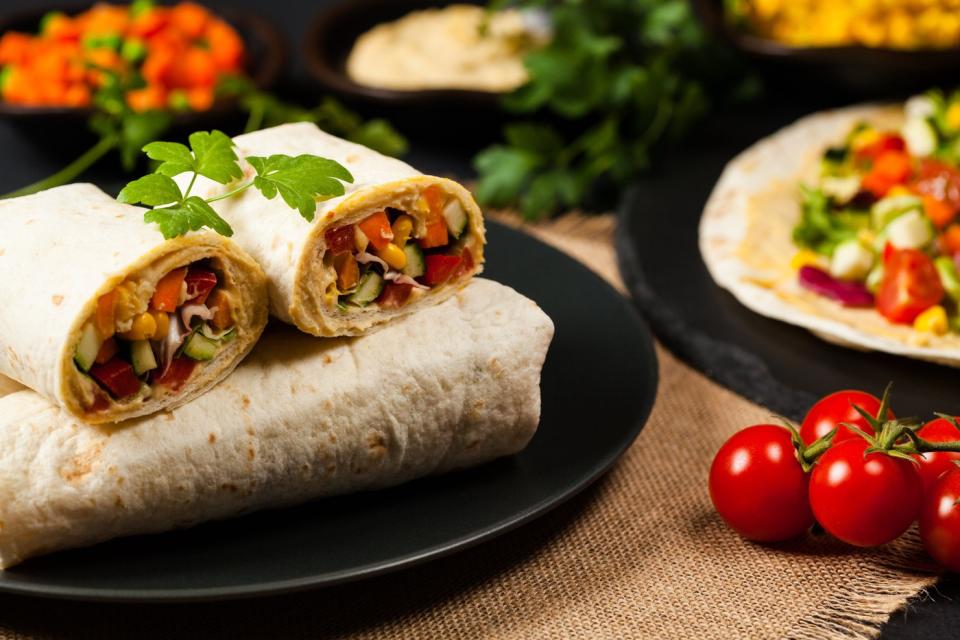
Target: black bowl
<point>331,37</point>
<point>265,46</point>
<point>856,69</point>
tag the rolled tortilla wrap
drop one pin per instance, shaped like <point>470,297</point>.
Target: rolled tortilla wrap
<point>8,386</point>
<point>67,252</point>
<point>303,273</point>
<point>453,386</point>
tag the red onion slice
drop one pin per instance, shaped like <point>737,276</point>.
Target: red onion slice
<point>849,294</point>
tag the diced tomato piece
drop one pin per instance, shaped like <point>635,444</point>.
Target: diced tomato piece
<point>910,286</point>
<point>939,212</point>
<point>348,272</point>
<point>340,240</point>
<point>950,240</point>
<point>466,264</point>
<point>200,282</point>
<point>377,229</point>
<point>394,295</point>
<point>177,373</point>
<point>888,251</point>
<point>190,18</point>
<point>166,297</point>
<point>886,142</point>
<point>941,182</point>
<point>107,350</point>
<point>117,376</point>
<point>439,269</point>
<point>436,235</point>
<point>106,314</point>
<point>889,169</point>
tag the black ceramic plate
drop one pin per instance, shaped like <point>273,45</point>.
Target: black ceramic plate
<point>778,365</point>
<point>598,387</point>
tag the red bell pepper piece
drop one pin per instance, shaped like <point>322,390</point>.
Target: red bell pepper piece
<point>117,376</point>
<point>466,264</point>
<point>394,295</point>
<point>440,268</point>
<point>340,240</point>
<point>177,373</point>
<point>200,282</point>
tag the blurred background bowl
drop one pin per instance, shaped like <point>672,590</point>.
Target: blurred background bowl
<point>265,48</point>
<point>860,70</point>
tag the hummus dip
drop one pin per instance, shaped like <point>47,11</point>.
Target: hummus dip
<point>446,49</point>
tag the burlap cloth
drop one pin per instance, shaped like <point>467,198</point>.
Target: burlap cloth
<point>640,555</point>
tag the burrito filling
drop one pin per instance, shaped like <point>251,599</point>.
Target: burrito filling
<point>132,347</point>
<point>388,258</point>
<point>880,228</point>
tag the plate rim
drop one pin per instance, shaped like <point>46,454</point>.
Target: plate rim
<point>650,380</point>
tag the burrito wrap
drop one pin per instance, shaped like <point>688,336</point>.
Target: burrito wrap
<point>747,228</point>
<point>63,248</point>
<point>291,249</point>
<point>452,386</point>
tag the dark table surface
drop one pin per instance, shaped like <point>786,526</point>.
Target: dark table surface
<point>39,151</point>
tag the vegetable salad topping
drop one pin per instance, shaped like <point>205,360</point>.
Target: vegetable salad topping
<point>880,227</point>
<point>126,347</point>
<point>385,257</point>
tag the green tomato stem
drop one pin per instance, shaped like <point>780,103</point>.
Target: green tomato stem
<point>71,171</point>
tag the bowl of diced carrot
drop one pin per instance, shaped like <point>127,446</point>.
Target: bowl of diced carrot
<point>58,60</point>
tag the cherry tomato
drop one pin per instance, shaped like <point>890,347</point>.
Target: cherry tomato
<point>940,181</point>
<point>910,286</point>
<point>836,408</point>
<point>940,521</point>
<point>758,486</point>
<point>864,500</point>
<point>934,464</point>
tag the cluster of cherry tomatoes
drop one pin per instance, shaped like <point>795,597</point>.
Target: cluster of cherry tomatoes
<point>852,467</point>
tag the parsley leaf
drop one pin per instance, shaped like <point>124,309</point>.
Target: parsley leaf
<point>191,214</point>
<point>174,158</point>
<point>152,190</point>
<point>299,180</point>
<point>214,156</point>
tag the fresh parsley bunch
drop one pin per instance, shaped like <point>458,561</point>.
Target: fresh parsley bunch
<point>300,181</point>
<point>622,77</point>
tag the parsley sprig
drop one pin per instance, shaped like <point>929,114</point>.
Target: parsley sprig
<point>299,180</point>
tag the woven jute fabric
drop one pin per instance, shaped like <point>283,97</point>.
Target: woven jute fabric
<point>639,555</point>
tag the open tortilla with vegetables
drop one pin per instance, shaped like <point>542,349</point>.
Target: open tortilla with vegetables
<point>845,223</point>
<point>396,241</point>
<point>455,385</point>
<point>106,319</point>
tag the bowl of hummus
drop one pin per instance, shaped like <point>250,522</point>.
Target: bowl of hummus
<point>423,52</point>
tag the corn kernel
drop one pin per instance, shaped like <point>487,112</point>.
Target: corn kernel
<point>953,116</point>
<point>163,324</point>
<point>144,327</point>
<point>933,320</point>
<point>805,258</point>
<point>402,228</point>
<point>864,138</point>
<point>393,256</point>
<point>126,303</point>
<point>360,239</point>
<point>422,205</point>
<point>899,190</point>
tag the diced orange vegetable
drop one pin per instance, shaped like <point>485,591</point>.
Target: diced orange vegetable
<point>222,317</point>
<point>194,68</point>
<point>436,235</point>
<point>226,47</point>
<point>950,239</point>
<point>104,19</point>
<point>61,27</point>
<point>190,18</point>
<point>166,297</point>
<point>938,211</point>
<point>149,23</point>
<point>77,95</point>
<point>107,350</point>
<point>200,98</point>
<point>434,197</point>
<point>150,97</point>
<point>889,169</point>
<point>14,47</point>
<point>377,229</point>
<point>348,273</point>
<point>158,66</point>
<point>106,314</point>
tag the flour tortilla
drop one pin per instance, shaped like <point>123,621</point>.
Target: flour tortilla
<point>63,248</point>
<point>8,386</point>
<point>453,386</point>
<point>291,250</point>
<point>746,237</point>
